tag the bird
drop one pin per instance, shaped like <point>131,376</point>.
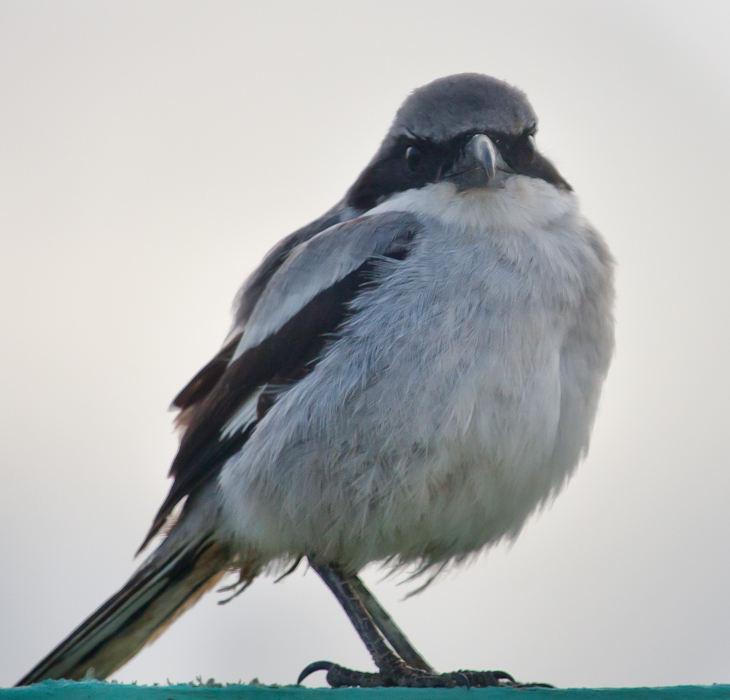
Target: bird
<point>407,379</point>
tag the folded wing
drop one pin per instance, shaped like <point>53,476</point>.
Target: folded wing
<point>303,302</point>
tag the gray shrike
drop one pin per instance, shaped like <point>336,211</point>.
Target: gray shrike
<point>407,379</point>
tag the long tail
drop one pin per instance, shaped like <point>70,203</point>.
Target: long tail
<point>171,580</point>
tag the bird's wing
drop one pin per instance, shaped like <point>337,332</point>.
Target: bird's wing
<point>304,301</point>
<point>197,388</point>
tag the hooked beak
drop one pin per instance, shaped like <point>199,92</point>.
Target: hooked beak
<point>476,166</point>
<point>482,150</point>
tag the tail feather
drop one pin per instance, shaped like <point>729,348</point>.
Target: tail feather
<point>171,580</point>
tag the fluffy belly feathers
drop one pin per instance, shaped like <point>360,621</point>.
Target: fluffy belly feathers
<point>434,442</point>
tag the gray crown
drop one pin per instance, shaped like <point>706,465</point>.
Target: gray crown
<point>450,106</point>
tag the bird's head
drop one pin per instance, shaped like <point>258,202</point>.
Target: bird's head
<point>468,129</point>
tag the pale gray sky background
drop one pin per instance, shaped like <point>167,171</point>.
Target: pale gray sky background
<point>151,152</point>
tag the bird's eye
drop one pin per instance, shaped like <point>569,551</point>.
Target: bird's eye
<point>414,158</point>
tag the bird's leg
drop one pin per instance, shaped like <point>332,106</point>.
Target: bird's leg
<point>393,670</point>
<point>387,626</point>
<point>382,654</point>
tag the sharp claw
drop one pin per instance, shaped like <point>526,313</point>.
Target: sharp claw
<point>504,676</point>
<point>463,677</point>
<point>339,677</point>
<point>312,668</point>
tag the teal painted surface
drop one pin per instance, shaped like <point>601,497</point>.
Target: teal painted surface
<point>96,690</point>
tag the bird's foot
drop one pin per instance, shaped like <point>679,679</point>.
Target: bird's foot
<point>407,677</point>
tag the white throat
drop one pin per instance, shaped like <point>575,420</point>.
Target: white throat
<point>520,204</point>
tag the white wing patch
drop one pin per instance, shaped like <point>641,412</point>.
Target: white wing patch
<point>243,417</point>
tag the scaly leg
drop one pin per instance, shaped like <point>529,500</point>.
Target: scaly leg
<point>393,670</point>
<point>387,626</point>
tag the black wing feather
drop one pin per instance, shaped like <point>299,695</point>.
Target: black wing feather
<point>204,381</point>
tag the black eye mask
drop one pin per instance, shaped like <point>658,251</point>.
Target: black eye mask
<point>412,163</point>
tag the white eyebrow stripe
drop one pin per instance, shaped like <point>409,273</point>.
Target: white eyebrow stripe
<point>319,263</point>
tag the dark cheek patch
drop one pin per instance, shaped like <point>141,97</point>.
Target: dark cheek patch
<point>541,168</point>
<point>393,174</point>
<point>520,154</point>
